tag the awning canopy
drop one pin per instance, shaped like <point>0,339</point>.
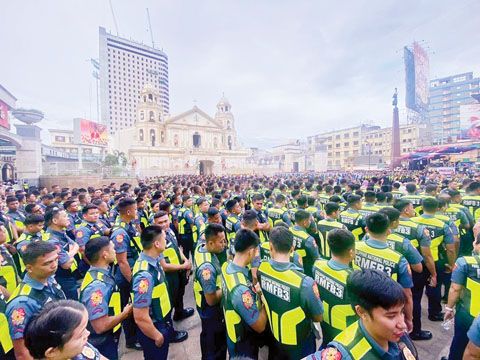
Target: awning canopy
<point>435,152</point>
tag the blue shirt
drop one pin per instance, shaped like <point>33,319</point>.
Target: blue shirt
<point>85,231</point>
<point>62,242</point>
<point>96,296</point>
<point>20,309</point>
<point>143,283</point>
<point>448,235</point>
<point>474,332</point>
<point>121,238</point>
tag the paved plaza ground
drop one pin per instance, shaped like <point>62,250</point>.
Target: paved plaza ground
<point>190,349</point>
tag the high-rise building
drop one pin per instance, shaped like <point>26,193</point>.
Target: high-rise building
<point>125,67</point>
<point>446,96</point>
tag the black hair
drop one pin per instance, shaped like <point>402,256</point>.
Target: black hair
<point>280,198</point>
<point>249,217</point>
<point>377,223</point>
<point>29,208</point>
<point>149,234</point>
<point>52,213</point>
<point>401,204</point>
<point>94,246</point>
<point>340,241</point>
<point>281,239</point>
<point>411,188</point>
<point>10,198</point>
<point>34,219</point>
<point>258,197</point>
<point>370,196</point>
<point>245,239</point>
<point>230,204</point>
<point>53,327</point>
<point>68,203</point>
<point>310,200</point>
<point>380,197</point>
<point>352,199</point>
<point>301,215</point>
<point>159,214</point>
<point>125,203</point>
<point>302,201</point>
<point>371,289</point>
<point>35,249</point>
<point>211,230</point>
<point>164,205</point>
<point>212,211</point>
<point>331,207</point>
<point>89,207</point>
<point>392,213</point>
<point>430,204</point>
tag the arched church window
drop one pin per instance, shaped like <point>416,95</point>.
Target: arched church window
<point>196,140</point>
<point>140,134</point>
<point>230,143</point>
<point>150,97</point>
<point>142,115</point>
<point>175,140</point>
<point>162,136</point>
<point>151,116</point>
<point>152,136</point>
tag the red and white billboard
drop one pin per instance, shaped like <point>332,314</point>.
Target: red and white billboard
<point>4,115</point>
<point>470,121</point>
<point>86,132</point>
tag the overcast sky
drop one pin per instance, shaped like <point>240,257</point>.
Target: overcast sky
<point>289,68</point>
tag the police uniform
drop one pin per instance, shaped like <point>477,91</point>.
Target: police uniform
<point>324,227</point>
<point>142,218</point>
<point>440,233</point>
<point>474,332</point>
<point>101,297</point>
<point>306,247</point>
<point>27,300</point>
<point>6,344</point>
<point>403,246</point>
<point>354,343</point>
<point>208,280</point>
<point>88,353</point>
<point>23,241</point>
<point>186,227</point>
<point>75,221</point>
<point>105,221</point>
<point>199,221</point>
<point>262,219</point>
<point>354,222</point>
<point>232,225</point>
<point>150,291</point>
<point>242,309</point>
<point>126,240</point>
<point>331,278</point>
<point>18,218</point>
<point>8,270</point>
<point>265,256</point>
<point>377,255</point>
<point>368,209</point>
<point>67,278</point>
<point>467,274</point>
<point>291,300</point>
<point>176,279</point>
<point>276,214</point>
<point>472,202</point>
<point>416,201</point>
<point>83,233</point>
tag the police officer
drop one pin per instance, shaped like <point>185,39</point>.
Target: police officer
<point>263,224</point>
<point>369,206</point>
<point>304,243</point>
<point>36,289</point>
<point>472,351</point>
<point>291,299</point>
<point>151,301</point>
<point>471,200</point>
<point>101,297</point>
<point>208,293</point>
<point>279,212</point>
<point>200,220</point>
<point>374,253</point>
<point>232,224</point>
<point>8,270</point>
<point>33,231</point>
<point>413,197</point>
<point>380,332</point>
<point>245,317</point>
<point>176,267</point>
<point>352,218</point>
<point>6,345</point>
<point>331,278</point>
<point>332,211</point>
<point>465,295</point>
<point>186,225</point>
<point>14,212</point>
<point>71,207</point>
<point>127,248</point>
<point>67,273</point>
<point>441,236</point>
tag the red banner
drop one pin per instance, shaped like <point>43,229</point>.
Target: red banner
<point>4,115</point>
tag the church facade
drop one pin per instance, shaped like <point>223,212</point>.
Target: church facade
<point>192,142</point>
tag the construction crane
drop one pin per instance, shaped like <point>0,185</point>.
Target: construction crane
<point>150,28</point>
<point>113,15</point>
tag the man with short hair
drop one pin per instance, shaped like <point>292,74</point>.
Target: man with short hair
<point>352,218</point>
<point>304,243</point>
<point>332,212</point>
<point>33,232</point>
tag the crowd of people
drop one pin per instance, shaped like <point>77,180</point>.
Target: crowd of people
<point>322,266</point>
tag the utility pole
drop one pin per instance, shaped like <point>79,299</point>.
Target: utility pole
<point>150,28</point>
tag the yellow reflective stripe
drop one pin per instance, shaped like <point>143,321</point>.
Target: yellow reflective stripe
<point>340,275</point>
<point>360,349</point>
<point>232,319</point>
<point>115,304</point>
<point>474,288</point>
<point>347,335</point>
<point>10,275</point>
<point>289,277</point>
<point>290,320</point>
<point>5,339</point>
<point>171,255</point>
<point>339,315</point>
<point>160,292</point>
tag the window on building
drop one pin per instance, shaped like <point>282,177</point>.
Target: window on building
<point>355,142</point>
<point>60,138</point>
<point>346,144</point>
<point>196,140</point>
<point>140,135</point>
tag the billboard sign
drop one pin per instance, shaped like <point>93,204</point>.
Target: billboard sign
<point>4,115</point>
<point>470,121</point>
<point>409,79</point>
<point>86,132</point>
<point>422,69</point>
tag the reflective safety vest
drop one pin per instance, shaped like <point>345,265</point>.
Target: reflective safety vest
<point>299,241</point>
<point>160,306</point>
<point>230,223</point>
<point>470,299</point>
<point>351,221</point>
<point>369,257</point>
<point>416,201</point>
<point>183,226</point>
<point>368,209</point>
<point>409,229</point>
<point>135,243</point>
<point>143,217</point>
<point>436,231</point>
<point>281,289</point>
<point>359,348</point>
<point>41,297</point>
<point>453,214</point>
<point>8,272</point>
<point>199,231</point>
<point>472,202</point>
<point>28,237</point>
<point>276,214</point>
<point>6,343</point>
<point>338,312</point>
<point>395,242</point>
<point>114,305</point>
<point>265,255</point>
<point>324,227</point>
<point>201,257</point>
<point>237,328</point>
<point>172,254</point>
<point>323,199</point>
<point>396,194</point>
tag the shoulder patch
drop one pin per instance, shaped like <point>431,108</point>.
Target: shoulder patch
<point>206,274</point>
<point>96,298</point>
<point>79,234</point>
<point>315,290</point>
<point>247,300</point>
<point>143,286</point>
<point>119,238</point>
<point>18,316</point>
<point>88,352</point>
<point>331,353</point>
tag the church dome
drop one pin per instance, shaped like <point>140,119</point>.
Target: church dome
<point>224,105</point>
